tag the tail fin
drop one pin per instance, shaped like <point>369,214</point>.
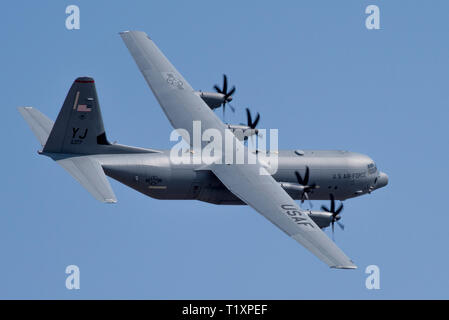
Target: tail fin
<point>78,131</point>
<point>77,136</point>
<point>79,127</point>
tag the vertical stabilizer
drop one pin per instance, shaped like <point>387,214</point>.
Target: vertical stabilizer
<point>79,127</point>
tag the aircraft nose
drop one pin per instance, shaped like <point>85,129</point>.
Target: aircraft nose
<point>382,180</point>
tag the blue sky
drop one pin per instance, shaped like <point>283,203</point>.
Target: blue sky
<point>311,69</point>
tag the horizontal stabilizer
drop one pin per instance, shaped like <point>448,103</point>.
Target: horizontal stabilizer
<point>89,173</point>
<point>38,122</point>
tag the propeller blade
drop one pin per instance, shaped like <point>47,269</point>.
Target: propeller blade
<point>306,176</point>
<point>333,232</point>
<point>332,203</point>
<point>335,214</point>
<point>227,95</point>
<point>339,209</point>
<point>341,225</point>
<point>225,84</point>
<point>308,199</point>
<point>248,118</point>
<point>299,178</point>
<point>303,196</point>
<point>256,121</point>
<point>230,93</point>
<point>306,195</point>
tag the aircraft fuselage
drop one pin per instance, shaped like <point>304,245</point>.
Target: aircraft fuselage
<point>341,173</point>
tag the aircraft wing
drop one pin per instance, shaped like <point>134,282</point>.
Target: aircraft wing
<point>267,197</point>
<point>175,95</point>
<point>182,106</point>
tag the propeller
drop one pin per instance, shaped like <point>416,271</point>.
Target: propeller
<point>250,123</point>
<point>335,214</point>
<point>227,94</point>
<point>305,183</point>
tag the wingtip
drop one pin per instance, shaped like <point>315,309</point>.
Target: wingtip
<point>122,33</point>
<point>24,108</point>
<point>350,267</point>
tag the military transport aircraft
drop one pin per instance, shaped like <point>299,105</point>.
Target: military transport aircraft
<point>77,141</point>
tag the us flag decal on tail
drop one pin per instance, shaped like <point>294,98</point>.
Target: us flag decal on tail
<point>83,108</point>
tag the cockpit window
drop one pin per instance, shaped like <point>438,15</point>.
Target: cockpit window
<point>372,168</point>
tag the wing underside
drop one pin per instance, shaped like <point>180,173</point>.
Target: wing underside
<point>268,198</point>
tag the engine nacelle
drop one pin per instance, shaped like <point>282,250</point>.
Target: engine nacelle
<point>241,131</point>
<point>288,186</point>
<point>213,99</point>
<point>321,218</point>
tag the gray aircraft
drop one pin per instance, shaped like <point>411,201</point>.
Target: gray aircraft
<point>77,141</point>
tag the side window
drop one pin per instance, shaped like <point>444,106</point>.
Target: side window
<point>372,168</point>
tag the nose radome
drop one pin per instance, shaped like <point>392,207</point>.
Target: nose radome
<point>382,181</point>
